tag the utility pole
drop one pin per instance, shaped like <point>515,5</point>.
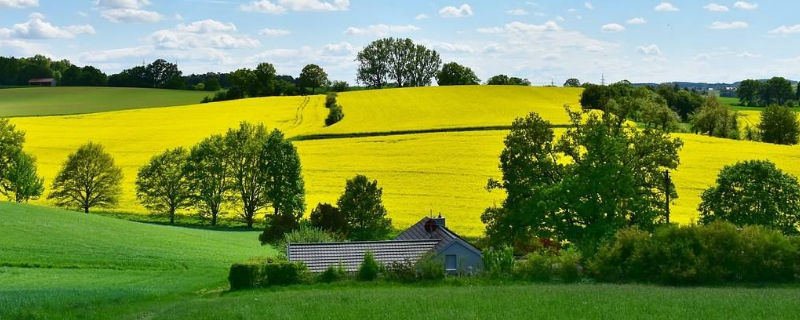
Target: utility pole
<point>602,79</point>
<point>667,184</point>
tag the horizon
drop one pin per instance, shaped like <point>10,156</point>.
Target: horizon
<point>543,41</point>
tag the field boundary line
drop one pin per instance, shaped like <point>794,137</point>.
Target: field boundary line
<point>327,136</point>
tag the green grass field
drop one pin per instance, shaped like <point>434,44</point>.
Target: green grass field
<point>57,264</point>
<point>23,102</point>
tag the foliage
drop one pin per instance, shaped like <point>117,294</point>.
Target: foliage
<point>285,188</point>
<point>430,268</point>
<point>88,179</point>
<point>339,86</point>
<point>263,272</point>
<point>162,185</point>
<point>572,82</point>
<point>304,234</point>
<point>716,120</point>
<point>755,93</point>
<point>313,76</point>
<point>330,99</point>
<point>328,218</point>
<point>454,74</point>
<point>369,269</point>
<point>398,60</point>
<point>22,182</point>
<point>504,80</point>
<point>335,114</point>
<point>245,81</point>
<point>658,114</point>
<point>332,274</point>
<point>695,255</point>
<point>158,74</point>
<point>598,177</point>
<point>282,273</point>
<point>549,265</point>
<point>754,192</point>
<point>11,141</point>
<point>208,175</point>
<point>246,275</point>
<point>779,125</point>
<point>265,79</point>
<point>363,210</point>
<point>499,262</point>
<point>748,92</point>
<point>245,158</point>
<point>402,271</point>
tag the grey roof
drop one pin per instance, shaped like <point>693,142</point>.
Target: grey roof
<point>319,256</point>
<point>445,235</point>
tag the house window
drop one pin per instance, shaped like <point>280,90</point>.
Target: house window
<point>450,262</point>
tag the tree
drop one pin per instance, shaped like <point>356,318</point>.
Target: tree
<point>71,76</point>
<point>329,218</point>
<point>686,103</point>
<point>162,185</point>
<point>657,114</point>
<point>313,76</point>
<point>22,183</point>
<point>243,152</point>
<point>11,141</point>
<point>212,84</point>
<point>363,209</point>
<point>246,80</point>
<point>454,74</point>
<point>597,177</point>
<point>572,82</point>
<point>425,64</point>
<point>779,125</point>
<point>373,64</point>
<point>754,192</point>
<point>749,93</point>
<point>716,120</point>
<point>160,72</point>
<point>207,173</point>
<point>339,86</point>
<point>595,97</point>
<point>93,77</point>
<point>777,90</point>
<point>265,74</point>
<point>504,80</point>
<point>88,179</point>
<point>285,188</point>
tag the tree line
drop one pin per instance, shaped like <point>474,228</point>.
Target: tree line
<point>777,91</point>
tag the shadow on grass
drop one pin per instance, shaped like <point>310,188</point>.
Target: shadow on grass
<point>184,221</point>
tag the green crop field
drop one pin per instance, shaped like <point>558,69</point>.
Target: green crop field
<point>23,102</point>
<point>58,264</point>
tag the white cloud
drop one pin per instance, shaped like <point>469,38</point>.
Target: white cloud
<point>651,50</point>
<point>205,34</point>
<point>520,27</point>
<point>127,11</point>
<point>18,4</point>
<point>129,4</point>
<point>745,6</point>
<point>612,27</point>
<point>274,32</point>
<point>666,7</point>
<point>786,29</point>
<point>702,57</point>
<point>421,16</point>
<point>718,25</point>
<point>38,28</point>
<point>713,7</point>
<point>380,30</point>
<point>206,26</point>
<point>748,55</point>
<point>115,54</point>
<point>517,12</point>
<point>450,47</point>
<point>637,21</point>
<point>178,17</point>
<point>339,49</point>
<point>20,48</point>
<point>452,12</point>
<point>267,6</point>
<point>588,5</point>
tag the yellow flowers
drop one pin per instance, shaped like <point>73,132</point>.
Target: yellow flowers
<point>420,173</point>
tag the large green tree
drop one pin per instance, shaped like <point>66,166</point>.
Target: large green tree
<point>399,60</point>
<point>243,152</point>
<point>597,177</point>
<point>265,73</point>
<point>208,176</point>
<point>162,185</point>
<point>454,74</point>
<point>779,125</point>
<point>777,90</point>
<point>572,82</point>
<point>504,80</point>
<point>285,188</point>
<point>11,141</point>
<point>754,192</point>
<point>313,76</point>
<point>22,182</point>
<point>363,209</point>
<point>373,64</point>
<point>245,80</point>
<point>716,119</point>
<point>88,179</point>
<point>749,92</point>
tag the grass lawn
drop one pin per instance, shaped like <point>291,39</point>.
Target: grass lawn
<point>25,102</point>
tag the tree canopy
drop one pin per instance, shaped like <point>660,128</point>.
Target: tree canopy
<point>572,82</point>
<point>454,74</point>
<point>285,188</point>
<point>207,173</point>
<point>398,60</point>
<point>162,185</point>
<point>244,157</point>
<point>313,76</point>
<point>504,80</point>
<point>88,179</point>
<point>363,210</point>
<point>22,182</point>
<point>716,119</point>
<point>779,125</point>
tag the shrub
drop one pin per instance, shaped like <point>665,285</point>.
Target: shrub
<point>535,267</point>
<point>567,266</point>
<point>283,273</point>
<point>621,260</point>
<point>261,272</point>
<point>547,265</point>
<point>499,262</point>
<point>401,271</point>
<point>332,274</point>
<point>329,218</point>
<point>246,275</point>
<point>330,99</point>
<point>335,114</point>
<point>305,234</point>
<point>431,268</point>
<point>370,269</point>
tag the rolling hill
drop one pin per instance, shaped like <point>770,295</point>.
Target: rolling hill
<point>25,102</point>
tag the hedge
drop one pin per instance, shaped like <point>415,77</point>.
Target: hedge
<point>266,272</point>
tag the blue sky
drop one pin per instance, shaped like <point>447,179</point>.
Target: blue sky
<point>641,40</point>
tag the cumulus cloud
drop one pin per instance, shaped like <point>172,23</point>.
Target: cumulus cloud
<point>517,12</point>
<point>274,32</point>
<point>115,54</point>
<point>588,5</point>
<point>719,25</point>
<point>206,26</point>
<point>16,47</point>
<point>651,50</point>
<point>205,34</point>
<point>127,11</point>
<point>380,30</point>
<point>520,27</point>
<point>38,28</point>
<point>745,6</point>
<point>456,12</point>
<point>612,27</point>
<point>713,7</point>
<point>786,30</point>
<point>637,21</point>
<point>282,6</point>
<point>421,16</point>
<point>666,7</point>
<point>18,4</point>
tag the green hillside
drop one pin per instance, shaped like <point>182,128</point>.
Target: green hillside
<point>23,102</point>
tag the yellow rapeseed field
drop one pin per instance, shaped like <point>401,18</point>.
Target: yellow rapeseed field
<point>420,173</point>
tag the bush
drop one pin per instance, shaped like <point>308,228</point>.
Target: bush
<point>281,273</point>
<point>246,275</point>
<point>779,125</point>
<point>499,262</point>
<point>330,99</point>
<point>305,234</point>
<point>547,265</point>
<point>431,268</point>
<point>329,218</point>
<point>370,269</point>
<point>401,271</point>
<point>261,272</point>
<point>332,274</point>
<point>335,114</point>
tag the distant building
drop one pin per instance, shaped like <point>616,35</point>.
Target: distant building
<point>429,236</point>
<point>42,82</point>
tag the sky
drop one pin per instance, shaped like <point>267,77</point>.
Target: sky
<point>543,40</point>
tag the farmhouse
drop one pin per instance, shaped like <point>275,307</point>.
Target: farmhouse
<point>429,236</point>
<point>42,82</point>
